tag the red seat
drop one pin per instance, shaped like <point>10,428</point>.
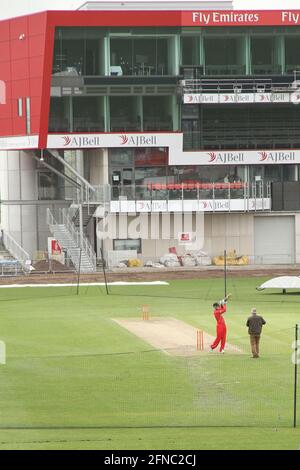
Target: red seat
<point>171,186</point>
<point>177,186</point>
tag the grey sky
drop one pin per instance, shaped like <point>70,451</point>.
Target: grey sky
<point>10,8</point>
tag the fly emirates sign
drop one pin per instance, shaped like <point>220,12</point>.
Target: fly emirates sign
<point>241,18</point>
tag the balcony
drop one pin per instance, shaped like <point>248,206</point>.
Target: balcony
<point>243,137</point>
<point>191,196</point>
<point>254,84</point>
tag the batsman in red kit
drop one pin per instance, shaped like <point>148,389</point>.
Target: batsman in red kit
<point>219,310</point>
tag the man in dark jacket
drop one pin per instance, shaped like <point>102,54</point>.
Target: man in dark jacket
<point>255,324</point>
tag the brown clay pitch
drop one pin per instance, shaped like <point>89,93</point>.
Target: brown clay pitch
<point>170,335</point>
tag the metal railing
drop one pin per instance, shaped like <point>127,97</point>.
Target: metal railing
<point>244,85</point>
<point>62,217</point>
<point>16,251</point>
<point>80,238</point>
<point>280,136</point>
<point>192,190</point>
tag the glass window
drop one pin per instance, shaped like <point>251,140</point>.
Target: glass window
<point>157,113</point>
<point>292,54</point>
<point>264,55</point>
<point>225,55</point>
<point>124,114</point>
<point>88,114</point>
<point>150,175</point>
<point>128,245</point>
<point>207,174</point>
<point>273,173</point>
<point>140,56</point>
<point>190,50</point>
<point>77,51</point>
<point>256,173</point>
<point>120,157</point>
<point>122,55</point>
<point>289,173</point>
<point>50,186</point>
<point>59,115</point>
<point>150,157</point>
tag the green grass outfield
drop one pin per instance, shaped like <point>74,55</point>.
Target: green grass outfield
<point>74,379</point>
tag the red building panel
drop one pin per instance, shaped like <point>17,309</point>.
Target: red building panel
<point>35,124</point>
<point>18,49</point>
<point>37,23</point>
<point>20,88</point>
<point>4,31</point>
<point>4,52</point>
<point>26,50</point>
<point>35,86</point>
<point>18,26</point>
<point>19,126</point>
<point>6,126</point>
<point>36,45</point>
<point>36,66</point>
<point>5,71</point>
<point>20,69</point>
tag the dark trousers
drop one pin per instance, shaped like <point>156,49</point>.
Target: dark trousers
<point>254,342</point>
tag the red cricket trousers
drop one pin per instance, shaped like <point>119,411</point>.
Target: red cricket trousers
<point>221,337</point>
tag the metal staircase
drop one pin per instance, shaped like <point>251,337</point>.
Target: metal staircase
<point>77,246</point>
<point>87,214</point>
<point>14,260</point>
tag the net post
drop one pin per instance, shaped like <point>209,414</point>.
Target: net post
<point>104,271</point>
<point>78,274</point>
<point>296,374</point>
<point>225,273</point>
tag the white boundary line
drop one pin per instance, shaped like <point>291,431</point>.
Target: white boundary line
<point>118,283</point>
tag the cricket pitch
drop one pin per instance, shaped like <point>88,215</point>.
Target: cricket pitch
<point>172,336</point>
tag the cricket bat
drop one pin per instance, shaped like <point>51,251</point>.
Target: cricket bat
<point>226,298</point>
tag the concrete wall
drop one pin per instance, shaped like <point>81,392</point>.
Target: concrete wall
<point>98,166</point>
<point>221,231</point>
<point>18,187</point>
<point>230,232</point>
<point>22,215</point>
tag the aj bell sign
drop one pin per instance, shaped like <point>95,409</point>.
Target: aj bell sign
<point>229,158</point>
<point>174,142</point>
<point>105,140</point>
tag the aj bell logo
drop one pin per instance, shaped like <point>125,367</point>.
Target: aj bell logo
<point>81,141</point>
<point>225,157</point>
<point>275,157</point>
<point>138,140</point>
<point>214,205</point>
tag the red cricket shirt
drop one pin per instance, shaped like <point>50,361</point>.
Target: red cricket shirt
<point>218,313</point>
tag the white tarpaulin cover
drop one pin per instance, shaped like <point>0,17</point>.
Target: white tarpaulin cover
<point>283,282</point>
